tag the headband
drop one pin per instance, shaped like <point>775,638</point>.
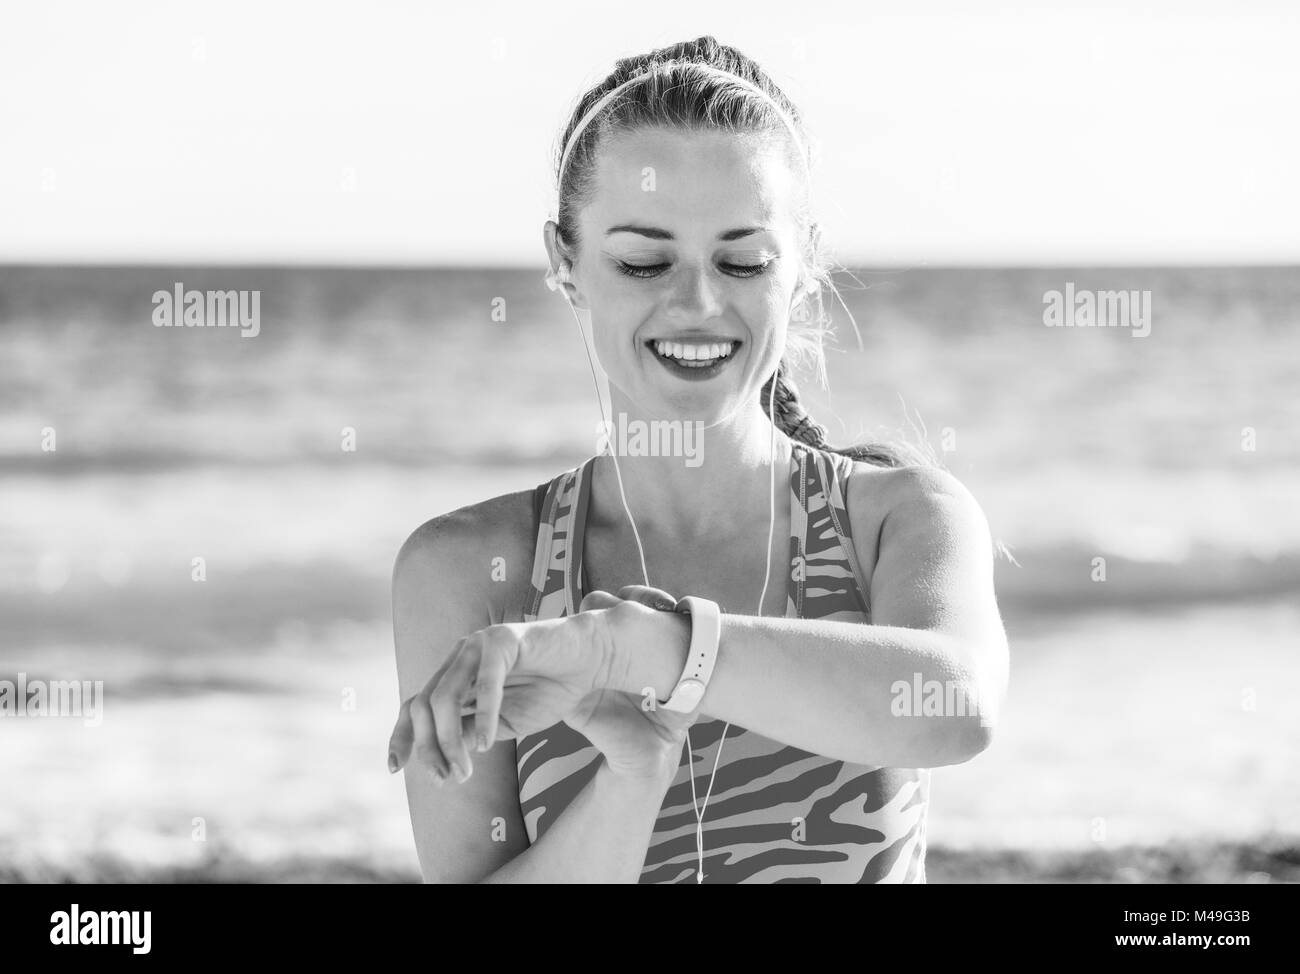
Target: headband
<point>595,109</point>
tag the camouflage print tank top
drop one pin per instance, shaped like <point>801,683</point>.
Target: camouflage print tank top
<point>777,814</point>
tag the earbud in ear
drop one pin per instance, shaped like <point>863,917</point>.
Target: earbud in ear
<point>561,276</point>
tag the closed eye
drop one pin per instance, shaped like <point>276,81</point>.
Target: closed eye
<point>654,270</point>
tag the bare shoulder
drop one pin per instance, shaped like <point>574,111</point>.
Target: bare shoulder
<point>934,559</point>
<point>911,501</point>
<point>482,552</point>
<point>456,574</point>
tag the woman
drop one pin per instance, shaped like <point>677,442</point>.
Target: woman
<point>684,232</point>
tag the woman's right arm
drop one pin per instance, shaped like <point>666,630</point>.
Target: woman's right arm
<point>446,585</point>
<point>601,837</point>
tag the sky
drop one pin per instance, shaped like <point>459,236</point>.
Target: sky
<point>422,133</point>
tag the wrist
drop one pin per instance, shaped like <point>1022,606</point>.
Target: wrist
<point>648,648</point>
<point>650,777</point>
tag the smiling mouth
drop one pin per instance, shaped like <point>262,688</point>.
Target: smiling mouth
<point>693,355</point>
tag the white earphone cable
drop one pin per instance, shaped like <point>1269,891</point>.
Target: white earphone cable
<point>608,427</point>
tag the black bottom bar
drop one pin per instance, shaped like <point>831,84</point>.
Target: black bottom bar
<point>214,923</point>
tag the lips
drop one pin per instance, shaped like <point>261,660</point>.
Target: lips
<point>695,358</point>
<point>693,354</point>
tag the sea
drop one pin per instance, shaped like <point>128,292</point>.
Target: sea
<point>206,522</point>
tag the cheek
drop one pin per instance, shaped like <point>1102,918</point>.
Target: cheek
<point>614,329</point>
<point>621,309</point>
<point>771,316</point>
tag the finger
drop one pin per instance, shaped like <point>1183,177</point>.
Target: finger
<point>598,600</point>
<point>403,736</point>
<point>427,752</point>
<point>504,731</point>
<point>399,743</point>
<point>656,598</point>
<point>489,688</point>
<point>447,700</point>
<point>446,663</point>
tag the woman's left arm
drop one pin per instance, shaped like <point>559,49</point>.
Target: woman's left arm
<point>919,687</point>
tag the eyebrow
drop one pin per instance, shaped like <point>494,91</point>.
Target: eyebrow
<point>656,233</point>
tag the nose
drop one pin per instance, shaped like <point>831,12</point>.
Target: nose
<point>696,295</point>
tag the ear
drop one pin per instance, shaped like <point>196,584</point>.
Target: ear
<point>551,240</point>
<point>558,256</point>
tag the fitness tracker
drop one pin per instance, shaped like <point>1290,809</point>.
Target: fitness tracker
<point>706,628</point>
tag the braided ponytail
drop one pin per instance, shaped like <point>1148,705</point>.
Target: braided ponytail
<point>793,420</point>
<point>790,416</point>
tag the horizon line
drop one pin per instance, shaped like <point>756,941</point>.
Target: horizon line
<point>540,267</point>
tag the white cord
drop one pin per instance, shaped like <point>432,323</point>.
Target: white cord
<point>609,429</point>
<point>767,572</point>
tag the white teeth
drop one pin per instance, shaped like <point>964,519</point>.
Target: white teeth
<point>694,354</point>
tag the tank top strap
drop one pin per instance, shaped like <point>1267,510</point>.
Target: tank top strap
<point>559,505</point>
<point>826,577</point>
<point>553,523</point>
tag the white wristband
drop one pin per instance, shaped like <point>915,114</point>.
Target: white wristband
<point>706,629</point>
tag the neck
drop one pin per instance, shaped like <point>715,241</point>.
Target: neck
<point>696,485</point>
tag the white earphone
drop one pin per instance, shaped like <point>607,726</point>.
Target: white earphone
<point>554,278</point>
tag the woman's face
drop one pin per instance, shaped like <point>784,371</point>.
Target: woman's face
<point>689,255</point>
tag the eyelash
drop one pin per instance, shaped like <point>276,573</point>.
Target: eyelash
<point>637,270</point>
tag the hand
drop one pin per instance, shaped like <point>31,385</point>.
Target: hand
<point>511,680</point>
<point>637,738</point>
